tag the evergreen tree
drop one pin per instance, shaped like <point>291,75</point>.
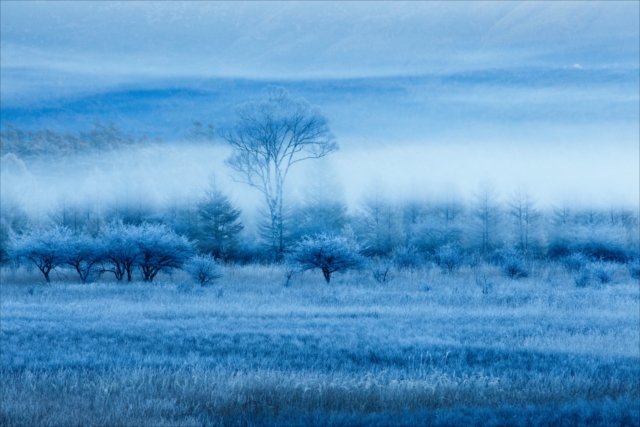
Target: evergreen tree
<point>323,208</point>
<point>219,223</point>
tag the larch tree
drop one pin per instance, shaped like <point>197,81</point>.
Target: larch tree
<point>487,217</point>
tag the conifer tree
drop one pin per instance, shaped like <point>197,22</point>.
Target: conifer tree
<point>220,224</point>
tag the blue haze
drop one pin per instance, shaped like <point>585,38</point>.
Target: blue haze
<point>546,89</point>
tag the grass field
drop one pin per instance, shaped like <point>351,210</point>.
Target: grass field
<point>427,348</point>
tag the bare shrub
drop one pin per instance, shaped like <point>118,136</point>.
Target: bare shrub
<point>512,263</point>
<point>449,257</point>
<point>381,269</point>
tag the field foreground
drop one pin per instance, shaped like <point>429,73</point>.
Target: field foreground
<point>426,348</point>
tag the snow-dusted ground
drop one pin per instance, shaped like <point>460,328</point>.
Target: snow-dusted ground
<point>425,348</point>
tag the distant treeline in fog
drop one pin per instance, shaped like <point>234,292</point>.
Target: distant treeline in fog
<point>480,225</point>
<point>48,142</point>
<point>99,138</point>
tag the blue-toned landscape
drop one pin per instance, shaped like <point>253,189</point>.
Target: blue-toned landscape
<point>309,213</point>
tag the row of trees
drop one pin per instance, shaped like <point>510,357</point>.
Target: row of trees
<point>47,143</point>
<point>118,249</point>
<point>381,227</point>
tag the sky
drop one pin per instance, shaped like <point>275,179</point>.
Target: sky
<point>440,93</point>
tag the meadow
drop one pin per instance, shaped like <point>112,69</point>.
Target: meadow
<point>425,348</point>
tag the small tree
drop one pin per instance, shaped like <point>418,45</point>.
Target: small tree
<point>220,225</point>
<point>161,249</point>
<point>121,249</point>
<point>84,254</point>
<point>323,208</point>
<point>381,269</point>
<point>487,217</point>
<point>328,253</point>
<point>378,224</point>
<point>449,257</point>
<point>46,249</point>
<point>525,219</point>
<point>203,269</point>
<point>407,257</point>
<point>513,263</point>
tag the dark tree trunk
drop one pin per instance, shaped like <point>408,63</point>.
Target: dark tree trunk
<point>327,275</point>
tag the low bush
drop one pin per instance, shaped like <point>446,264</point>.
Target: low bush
<point>582,279</point>
<point>449,258</point>
<point>513,264</point>
<point>381,269</point>
<point>574,262</point>
<point>407,257</point>
<point>203,269</point>
<point>603,272</point>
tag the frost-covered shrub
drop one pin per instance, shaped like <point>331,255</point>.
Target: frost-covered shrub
<point>574,262</point>
<point>46,249</point>
<point>449,257</point>
<point>513,264</point>
<point>381,269</point>
<point>161,249</point>
<point>203,269</point>
<point>407,257</point>
<point>598,241</point>
<point>603,272</point>
<point>328,253</point>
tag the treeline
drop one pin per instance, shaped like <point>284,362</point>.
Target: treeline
<point>49,143</point>
<point>102,137</point>
<point>481,226</point>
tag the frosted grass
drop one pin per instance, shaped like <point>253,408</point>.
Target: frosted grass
<point>426,348</point>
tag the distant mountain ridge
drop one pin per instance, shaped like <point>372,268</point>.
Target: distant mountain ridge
<point>382,106</point>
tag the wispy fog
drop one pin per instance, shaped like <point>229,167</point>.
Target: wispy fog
<point>159,176</point>
<point>423,98</point>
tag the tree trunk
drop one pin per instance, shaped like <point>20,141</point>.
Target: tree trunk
<point>327,275</point>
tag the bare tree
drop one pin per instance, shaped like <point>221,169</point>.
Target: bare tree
<point>525,218</point>
<point>379,224</point>
<point>487,215</point>
<point>269,137</point>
